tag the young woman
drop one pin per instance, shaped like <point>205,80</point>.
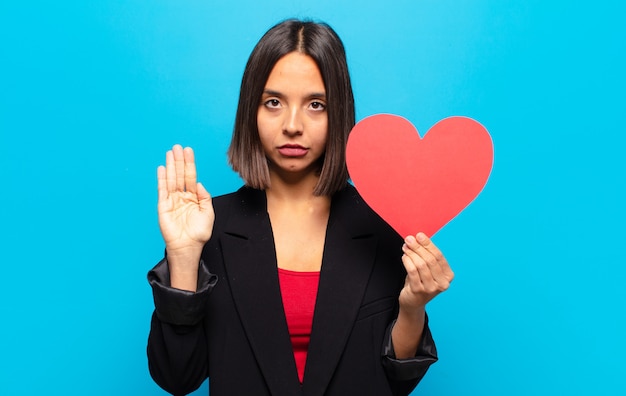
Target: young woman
<point>291,285</point>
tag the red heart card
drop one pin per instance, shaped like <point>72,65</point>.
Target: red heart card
<point>418,184</point>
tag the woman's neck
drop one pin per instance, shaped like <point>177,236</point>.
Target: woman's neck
<point>299,220</point>
<point>296,198</point>
<point>292,188</point>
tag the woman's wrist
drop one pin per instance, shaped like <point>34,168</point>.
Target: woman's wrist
<point>407,331</point>
<point>183,268</point>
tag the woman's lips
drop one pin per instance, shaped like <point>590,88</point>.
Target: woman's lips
<point>292,150</point>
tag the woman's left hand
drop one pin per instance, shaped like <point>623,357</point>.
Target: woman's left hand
<point>428,272</point>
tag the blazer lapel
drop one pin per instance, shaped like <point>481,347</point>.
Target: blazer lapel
<point>250,261</point>
<point>349,255</point>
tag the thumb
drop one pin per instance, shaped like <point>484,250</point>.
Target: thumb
<point>204,197</point>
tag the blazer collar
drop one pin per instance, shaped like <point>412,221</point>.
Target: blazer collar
<point>250,261</point>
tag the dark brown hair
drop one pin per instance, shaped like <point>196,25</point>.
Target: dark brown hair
<point>323,45</point>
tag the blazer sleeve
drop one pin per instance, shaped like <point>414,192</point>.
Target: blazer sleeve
<point>175,306</point>
<point>405,374</point>
<point>177,348</point>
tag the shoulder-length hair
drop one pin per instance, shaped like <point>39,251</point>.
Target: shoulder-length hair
<point>323,45</point>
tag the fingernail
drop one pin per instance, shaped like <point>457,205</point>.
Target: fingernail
<point>421,237</point>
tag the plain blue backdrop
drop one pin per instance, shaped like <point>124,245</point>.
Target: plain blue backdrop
<point>93,93</point>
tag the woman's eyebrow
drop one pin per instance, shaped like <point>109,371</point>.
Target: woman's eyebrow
<point>321,95</point>
<point>271,92</point>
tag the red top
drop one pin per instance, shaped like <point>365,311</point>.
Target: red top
<point>299,290</point>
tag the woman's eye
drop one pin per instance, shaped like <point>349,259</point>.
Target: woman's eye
<point>272,103</point>
<point>317,106</point>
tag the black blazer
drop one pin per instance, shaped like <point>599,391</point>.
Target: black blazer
<point>238,335</point>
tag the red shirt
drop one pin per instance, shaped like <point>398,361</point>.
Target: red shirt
<point>299,290</point>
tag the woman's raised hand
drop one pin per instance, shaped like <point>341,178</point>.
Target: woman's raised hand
<point>185,215</point>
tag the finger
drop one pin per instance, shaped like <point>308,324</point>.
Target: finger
<point>431,270</point>
<point>423,279</point>
<point>413,276</point>
<point>179,163</point>
<point>190,170</point>
<point>416,247</point>
<point>430,246</point>
<point>162,183</point>
<point>203,194</point>
<point>170,171</point>
<point>416,267</point>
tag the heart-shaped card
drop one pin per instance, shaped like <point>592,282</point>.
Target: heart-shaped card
<point>418,184</point>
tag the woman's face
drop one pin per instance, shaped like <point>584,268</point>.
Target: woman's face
<point>292,118</point>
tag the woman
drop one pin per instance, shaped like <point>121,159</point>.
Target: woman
<point>292,284</point>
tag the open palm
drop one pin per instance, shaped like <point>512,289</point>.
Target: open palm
<point>185,209</point>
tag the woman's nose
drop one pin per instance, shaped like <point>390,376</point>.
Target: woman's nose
<point>293,122</point>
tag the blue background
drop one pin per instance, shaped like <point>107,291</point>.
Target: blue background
<point>93,93</point>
